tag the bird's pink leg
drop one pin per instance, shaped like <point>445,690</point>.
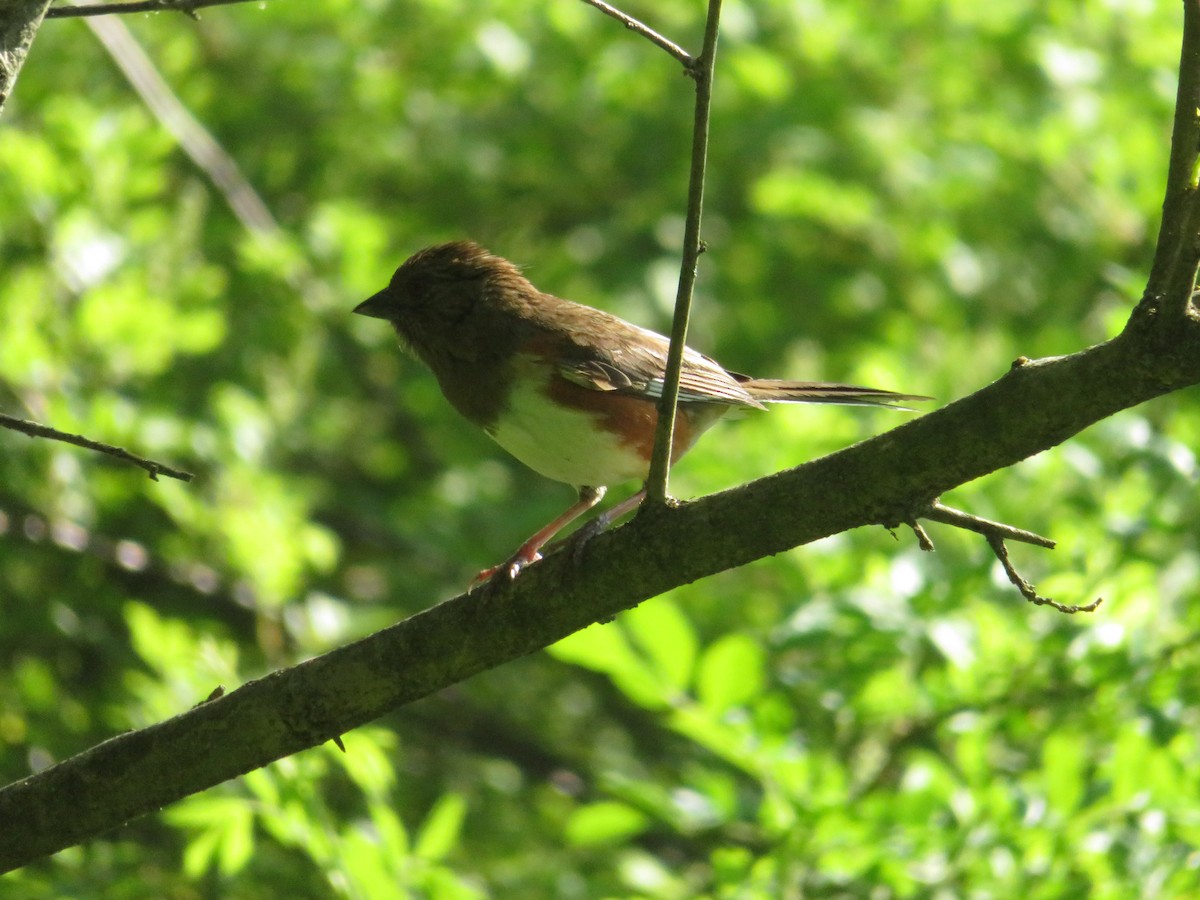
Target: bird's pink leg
<point>529,551</point>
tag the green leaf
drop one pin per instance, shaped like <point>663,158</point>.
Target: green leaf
<point>661,629</point>
<point>603,648</point>
<point>371,764</point>
<point>1064,757</point>
<point>224,829</point>
<point>731,673</point>
<point>607,822</point>
<point>439,834</point>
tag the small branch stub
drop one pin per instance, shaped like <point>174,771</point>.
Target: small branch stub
<point>947,515</point>
<point>996,534</point>
<point>924,541</point>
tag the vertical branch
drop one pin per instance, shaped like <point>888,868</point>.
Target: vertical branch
<point>1174,270</point>
<point>701,71</point>
<point>1185,135</point>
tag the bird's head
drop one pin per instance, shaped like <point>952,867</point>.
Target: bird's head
<point>444,293</point>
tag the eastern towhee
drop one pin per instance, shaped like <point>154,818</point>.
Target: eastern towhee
<point>568,390</point>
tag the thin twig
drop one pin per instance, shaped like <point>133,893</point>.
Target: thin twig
<point>187,7</point>
<point>702,72</point>
<point>645,31</point>
<point>996,534</point>
<point>195,140</point>
<point>1027,591</point>
<point>33,429</point>
<point>959,519</point>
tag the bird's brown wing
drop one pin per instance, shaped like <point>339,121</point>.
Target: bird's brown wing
<point>601,352</point>
<point>605,353</point>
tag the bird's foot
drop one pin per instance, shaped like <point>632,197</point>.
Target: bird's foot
<point>509,569</point>
<point>584,536</point>
<point>528,552</point>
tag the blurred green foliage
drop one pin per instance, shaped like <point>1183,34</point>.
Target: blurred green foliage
<point>909,197</point>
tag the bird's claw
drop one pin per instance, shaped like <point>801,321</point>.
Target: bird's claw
<point>509,569</point>
<point>584,536</point>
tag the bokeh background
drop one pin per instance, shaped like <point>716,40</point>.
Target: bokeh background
<point>908,195</point>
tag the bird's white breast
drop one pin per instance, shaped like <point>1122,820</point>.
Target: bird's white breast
<point>561,442</point>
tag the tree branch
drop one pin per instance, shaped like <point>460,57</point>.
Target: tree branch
<point>187,7</point>
<point>1169,289</point>
<point>996,534</point>
<point>33,429</point>
<point>1031,408</point>
<point>645,31</point>
<point>937,512</point>
<point>702,71</point>
<point>19,23</point>
<point>1185,135</point>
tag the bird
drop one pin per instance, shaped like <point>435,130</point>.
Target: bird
<point>569,390</point>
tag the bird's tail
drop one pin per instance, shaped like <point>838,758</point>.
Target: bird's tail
<point>770,390</point>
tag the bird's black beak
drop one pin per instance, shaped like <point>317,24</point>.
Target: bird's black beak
<point>375,306</point>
